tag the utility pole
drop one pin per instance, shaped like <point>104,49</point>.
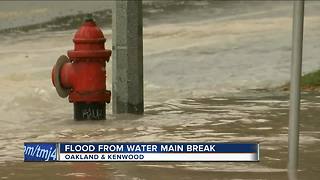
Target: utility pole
<point>296,66</point>
<point>127,57</point>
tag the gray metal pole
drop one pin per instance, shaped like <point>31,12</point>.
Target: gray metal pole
<point>127,57</point>
<point>296,65</point>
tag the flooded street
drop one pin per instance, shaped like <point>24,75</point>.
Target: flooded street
<point>210,72</point>
<point>249,117</point>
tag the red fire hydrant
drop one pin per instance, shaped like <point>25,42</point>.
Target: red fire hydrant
<point>82,75</point>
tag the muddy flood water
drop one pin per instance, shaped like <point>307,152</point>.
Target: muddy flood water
<point>211,71</point>
<point>250,117</point>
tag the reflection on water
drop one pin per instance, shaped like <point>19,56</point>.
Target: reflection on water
<point>239,118</point>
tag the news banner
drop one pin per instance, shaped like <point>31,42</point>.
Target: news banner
<point>68,152</point>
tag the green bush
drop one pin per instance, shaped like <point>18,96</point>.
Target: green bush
<point>311,79</point>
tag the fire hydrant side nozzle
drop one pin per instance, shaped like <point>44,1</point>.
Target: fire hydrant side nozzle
<point>82,74</point>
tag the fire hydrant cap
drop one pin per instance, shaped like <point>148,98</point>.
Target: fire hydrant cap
<point>62,92</point>
<point>89,31</point>
<point>89,42</point>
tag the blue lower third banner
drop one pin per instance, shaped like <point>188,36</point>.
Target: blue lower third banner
<point>40,151</point>
<point>141,152</point>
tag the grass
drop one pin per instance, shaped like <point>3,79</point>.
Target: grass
<point>311,79</point>
<point>309,82</point>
